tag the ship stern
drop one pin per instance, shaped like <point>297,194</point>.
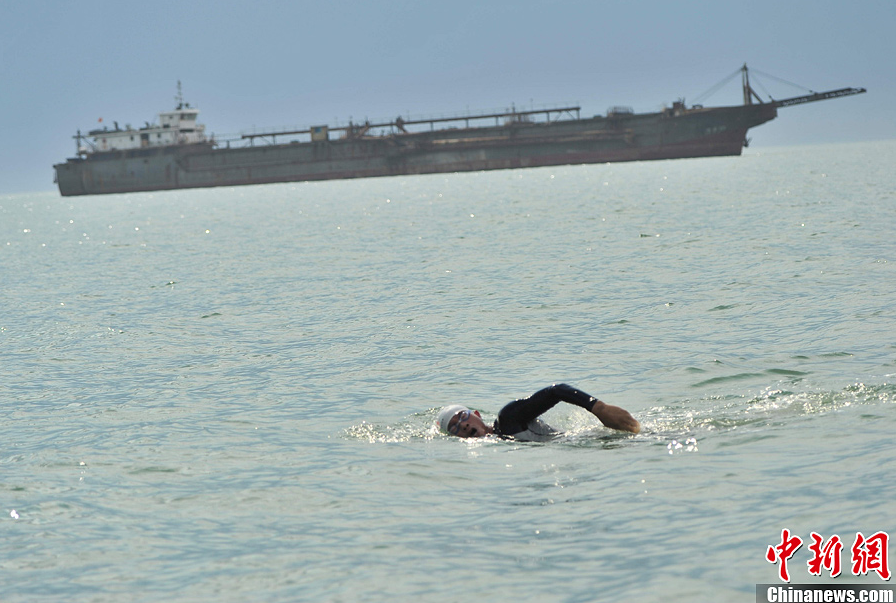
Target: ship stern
<point>69,178</point>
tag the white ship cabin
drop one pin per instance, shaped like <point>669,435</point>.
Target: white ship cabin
<point>175,128</point>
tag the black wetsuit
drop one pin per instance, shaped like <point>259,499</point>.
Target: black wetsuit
<point>519,419</point>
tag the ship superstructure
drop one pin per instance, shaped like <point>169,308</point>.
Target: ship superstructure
<point>177,127</point>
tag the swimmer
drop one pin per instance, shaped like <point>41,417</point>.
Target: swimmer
<point>519,419</point>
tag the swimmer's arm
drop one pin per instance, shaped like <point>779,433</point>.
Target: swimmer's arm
<point>615,417</point>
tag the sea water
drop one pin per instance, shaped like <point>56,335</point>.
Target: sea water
<point>229,394</point>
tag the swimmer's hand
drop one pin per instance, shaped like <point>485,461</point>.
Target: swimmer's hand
<point>615,417</point>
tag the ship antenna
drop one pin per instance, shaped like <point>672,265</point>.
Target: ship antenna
<point>180,97</point>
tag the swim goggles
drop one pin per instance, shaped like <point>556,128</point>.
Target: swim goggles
<point>461,417</point>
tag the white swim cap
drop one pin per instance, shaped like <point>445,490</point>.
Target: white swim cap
<point>447,413</point>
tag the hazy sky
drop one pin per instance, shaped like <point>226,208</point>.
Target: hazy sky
<point>267,64</point>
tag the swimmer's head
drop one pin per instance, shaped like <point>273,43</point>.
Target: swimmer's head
<point>461,421</point>
<point>447,413</point>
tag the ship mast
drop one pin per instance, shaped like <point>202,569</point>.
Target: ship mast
<point>749,93</point>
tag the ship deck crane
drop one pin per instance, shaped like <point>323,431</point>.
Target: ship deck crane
<point>817,96</point>
<point>750,94</point>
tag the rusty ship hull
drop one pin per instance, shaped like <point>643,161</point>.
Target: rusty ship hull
<point>669,134</point>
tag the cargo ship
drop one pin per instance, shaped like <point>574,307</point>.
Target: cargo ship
<point>176,153</point>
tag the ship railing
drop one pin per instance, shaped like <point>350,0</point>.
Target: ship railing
<point>402,125</point>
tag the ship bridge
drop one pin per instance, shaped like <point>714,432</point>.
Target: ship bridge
<point>175,127</point>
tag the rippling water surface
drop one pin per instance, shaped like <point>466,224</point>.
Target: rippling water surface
<point>229,394</point>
